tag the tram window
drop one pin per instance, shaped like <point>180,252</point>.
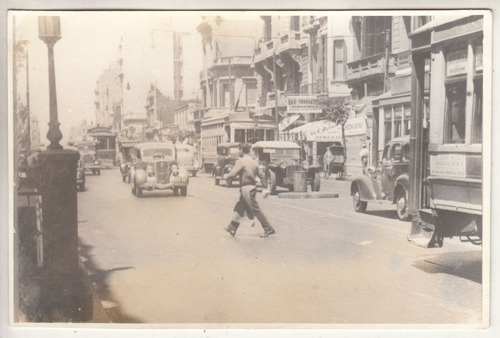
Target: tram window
<point>112,144</point>
<point>239,135</point>
<point>388,126</point>
<point>455,112</point>
<point>477,118</point>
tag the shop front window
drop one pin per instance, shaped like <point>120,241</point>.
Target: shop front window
<point>455,112</point>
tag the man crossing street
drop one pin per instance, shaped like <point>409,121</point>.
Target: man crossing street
<point>248,170</point>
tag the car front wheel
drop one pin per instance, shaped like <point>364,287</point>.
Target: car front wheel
<point>359,205</point>
<point>271,182</point>
<point>402,205</point>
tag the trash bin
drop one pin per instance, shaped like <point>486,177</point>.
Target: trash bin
<point>300,181</point>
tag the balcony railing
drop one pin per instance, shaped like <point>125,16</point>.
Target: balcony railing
<point>372,65</point>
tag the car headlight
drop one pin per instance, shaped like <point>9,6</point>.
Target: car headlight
<point>149,170</point>
<point>305,165</point>
<point>283,165</point>
<point>175,170</point>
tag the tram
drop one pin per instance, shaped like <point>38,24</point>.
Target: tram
<point>446,169</point>
<point>106,145</point>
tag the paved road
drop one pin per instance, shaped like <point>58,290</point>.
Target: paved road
<point>166,259</point>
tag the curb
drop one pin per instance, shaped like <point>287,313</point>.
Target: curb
<point>308,195</point>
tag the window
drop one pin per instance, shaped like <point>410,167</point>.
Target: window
<point>339,57</point>
<point>385,155</point>
<point>455,112</point>
<point>477,117</point>
<point>396,152</point>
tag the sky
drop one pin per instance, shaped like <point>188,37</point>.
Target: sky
<point>89,44</point>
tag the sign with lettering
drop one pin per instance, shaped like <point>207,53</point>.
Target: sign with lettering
<point>456,63</point>
<point>448,165</point>
<point>303,105</point>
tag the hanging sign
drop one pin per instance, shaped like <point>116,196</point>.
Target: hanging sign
<point>303,105</point>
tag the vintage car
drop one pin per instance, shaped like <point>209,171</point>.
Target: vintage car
<point>80,176</point>
<point>227,155</point>
<point>155,168</point>
<point>125,158</point>
<point>186,158</point>
<point>389,181</point>
<point>281,159</point>
<point>87,151</point>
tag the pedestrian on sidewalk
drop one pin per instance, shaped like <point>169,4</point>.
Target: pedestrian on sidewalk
<point>327,162</point>
<point>248,169</point>
<point>363,154</point>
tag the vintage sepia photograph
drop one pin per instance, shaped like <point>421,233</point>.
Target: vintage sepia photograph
<point>250,169</point>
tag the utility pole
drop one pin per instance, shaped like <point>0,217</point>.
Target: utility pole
<point>28,102</point>
<point>276,137</point>
<point>386,68</point>
<point>230,87</point>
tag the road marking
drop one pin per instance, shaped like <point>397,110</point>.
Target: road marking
<point>365,242</point>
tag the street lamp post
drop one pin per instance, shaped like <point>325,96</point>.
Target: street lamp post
<point>63,294</point>
<point>49,31</point>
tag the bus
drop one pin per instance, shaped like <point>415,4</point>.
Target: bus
<point>446,170</point>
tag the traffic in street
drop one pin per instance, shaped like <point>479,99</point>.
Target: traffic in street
<point>162,258</point>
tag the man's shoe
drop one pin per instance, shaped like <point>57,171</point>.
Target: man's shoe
<point>268,233</point>
<point>231,231</point>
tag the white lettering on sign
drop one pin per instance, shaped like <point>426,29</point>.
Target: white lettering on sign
<point>448,165</point>
<point>303,105</point>
<point>456,63</point>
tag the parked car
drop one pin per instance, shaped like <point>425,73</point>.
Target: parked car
<point>227,155</point>
<point>80,176</point>
<point>155,168</point>
<point>88,157</point>
<point>281,159</point>
<point>125,158</point>
<point>389,181</point>
<point>186,158</point>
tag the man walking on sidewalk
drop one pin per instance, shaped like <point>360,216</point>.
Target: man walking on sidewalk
<point>248,170</point>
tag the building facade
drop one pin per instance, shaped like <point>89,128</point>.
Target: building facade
<point>229,87</point>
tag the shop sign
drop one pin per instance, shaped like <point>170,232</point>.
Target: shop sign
<point>448,165</point>
<point>355,126</point>
<point>303,105</point>
<point>456,63</point>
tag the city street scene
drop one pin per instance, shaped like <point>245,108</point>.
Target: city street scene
<point>241,168</point>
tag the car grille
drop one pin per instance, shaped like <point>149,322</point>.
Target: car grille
<point>162,172</point>
<point>87,158</point>
<point>291,169</point>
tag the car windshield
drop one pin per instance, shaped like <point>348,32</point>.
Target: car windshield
<point>233,152</point>
<point>283,153</point>
<point>157,152</point>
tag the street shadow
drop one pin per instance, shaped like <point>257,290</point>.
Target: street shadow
<point>391,214</point>
<point>101,288</point>
<point>466,264</point>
